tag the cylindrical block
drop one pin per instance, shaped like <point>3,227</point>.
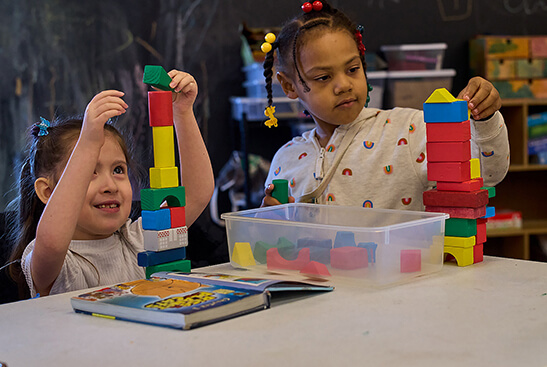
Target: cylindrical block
<point>160,108</point>
<point>281,190</point>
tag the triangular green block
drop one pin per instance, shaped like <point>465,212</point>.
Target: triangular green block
<point>156,76</point>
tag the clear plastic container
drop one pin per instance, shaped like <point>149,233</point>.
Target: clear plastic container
<point>428,56</point>
<point>400,245</point>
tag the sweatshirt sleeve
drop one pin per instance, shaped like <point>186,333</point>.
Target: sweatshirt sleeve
<point>490,143</point>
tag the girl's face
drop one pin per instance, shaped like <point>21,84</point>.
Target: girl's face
<point>108,201</point>
<point>330,65</point>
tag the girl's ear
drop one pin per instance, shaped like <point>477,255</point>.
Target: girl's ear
<point>287,85</point>
<point>43,189</point>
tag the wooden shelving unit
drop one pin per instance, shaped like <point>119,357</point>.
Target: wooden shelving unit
<point>523,189</point>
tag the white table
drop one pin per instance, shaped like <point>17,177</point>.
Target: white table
<point>489,314</point>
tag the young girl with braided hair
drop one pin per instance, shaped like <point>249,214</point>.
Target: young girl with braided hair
<point>76,196</point>
<point>356,155</point>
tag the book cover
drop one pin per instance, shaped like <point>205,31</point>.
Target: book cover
<point>184,300</point>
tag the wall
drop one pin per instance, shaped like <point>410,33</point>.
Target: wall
<point>55,55</point>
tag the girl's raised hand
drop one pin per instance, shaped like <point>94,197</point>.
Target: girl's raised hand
<point>482,97</point>
<point>186,90</point>
<point>103,106</point>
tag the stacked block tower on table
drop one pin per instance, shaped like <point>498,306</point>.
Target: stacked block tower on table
<point>460,190</point>
<point>163,204</point>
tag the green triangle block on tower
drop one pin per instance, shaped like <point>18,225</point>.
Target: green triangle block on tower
<point>156,76</point>
<point>441,95</point>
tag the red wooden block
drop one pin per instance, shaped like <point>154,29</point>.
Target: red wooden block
<point>160,108</point>
<point>315,268</point>
<point>471,185</point>
<point>178,217</point>
<point>411,261</point>
<point>482,220</point>
<point>481,232</point>
<point>448,131</point>
<point>472,199</point>
<point>466,213</point>
<point>449,171</point>
<point>456,151</point>
<point>276,261</point>
<point>348,257</point>
<point>478,253</point>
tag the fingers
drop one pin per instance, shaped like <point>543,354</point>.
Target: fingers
<point>482,97</point>
<point>105,105</point>
<point>182,82</point>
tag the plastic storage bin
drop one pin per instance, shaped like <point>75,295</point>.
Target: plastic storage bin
<point>427,56</point>
<point>376,247</point>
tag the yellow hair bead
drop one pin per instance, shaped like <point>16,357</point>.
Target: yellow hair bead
<point>266,47</point>
<point>270,38</point>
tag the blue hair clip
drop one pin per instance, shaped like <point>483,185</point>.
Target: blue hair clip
<point>43,125</point>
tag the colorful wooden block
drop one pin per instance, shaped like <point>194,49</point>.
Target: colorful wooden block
<point>314,242</point>
<point>471,185</point>
<point>275,261</point>
<point>448,131</point>
<point>281,190</point>
<point>183,266</point>
<point>156,76</point>
<point>467,213</point>
<point>178,216</point>
<point>463,256</point>
<point>448,171</point>
<point>441,95</point>
<point>242,254</point>
<point>460,227</point>
<point>475,165</point>
<point>471,199</point>
<point>150,258</point>
<point>454,151</point>
<point>156,220</point>
<point>446,112</point>
<point>371,250</point>
<point>411,261</point>
<point>344,238</point>
<point>481,233</point>
<point>164,177</point>
<point>489,212</point>
<point>166,239</point>
<point>160,109</point>
<point>491,191</point>
<point>151,199</point>
<point>286,249</point>
<point>315,268</point>
<point>463,242</point>
<point>163,139</point>
<point>348,258</point>
<point>478,253</point>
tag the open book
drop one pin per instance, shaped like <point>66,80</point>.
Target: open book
<point>185,300</point>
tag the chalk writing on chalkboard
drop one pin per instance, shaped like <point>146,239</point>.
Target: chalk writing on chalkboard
<point>527,7</point>
<point>455,10</point>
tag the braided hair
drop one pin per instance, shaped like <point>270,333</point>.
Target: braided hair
<point>292,37</point>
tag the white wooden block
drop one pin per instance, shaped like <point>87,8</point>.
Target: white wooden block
<point>166,239</point>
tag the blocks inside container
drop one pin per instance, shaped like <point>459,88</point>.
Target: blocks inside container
<point>366,245</point>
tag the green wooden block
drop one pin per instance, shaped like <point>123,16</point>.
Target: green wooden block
<point>151,199</point>
<point>156,76</point>
<point>286,249</point>
<point>491,191</point>
<point>179,265</point>
<point>460,227</point>
<point>281,190</point>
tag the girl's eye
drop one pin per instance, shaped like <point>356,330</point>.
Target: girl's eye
<point>322,78</point>
<point>354,69</point>
<point>119,170</point>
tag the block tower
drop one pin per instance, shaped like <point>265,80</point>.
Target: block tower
<point>163,213</point>
<point>460,189</point>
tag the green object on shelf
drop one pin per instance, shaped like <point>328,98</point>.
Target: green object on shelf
<point>281,190</point>
<point>156,76</point>
<point>183,266</point>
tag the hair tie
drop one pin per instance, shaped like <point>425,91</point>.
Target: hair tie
<point>267,46</point>
<point>359,36</point>
<point>43,125</point>
<point>307,6</point>
<point>269,112</point>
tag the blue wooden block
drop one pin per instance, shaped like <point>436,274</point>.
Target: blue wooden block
<point>313,242</point>
<point>344,238</point>
<point>446,112</point>
<point>371,250</point>
<point>151,258</point>
<point>156,220</point>
<point>490,212</point>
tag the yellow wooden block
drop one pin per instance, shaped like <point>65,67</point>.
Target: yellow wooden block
<point>163,138</point>
<point>463,256</point>
<point>463,242</point>
<point>475,168</point>
<point>242,254</point>
<point>164,177</point>
<point>441,95</point>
